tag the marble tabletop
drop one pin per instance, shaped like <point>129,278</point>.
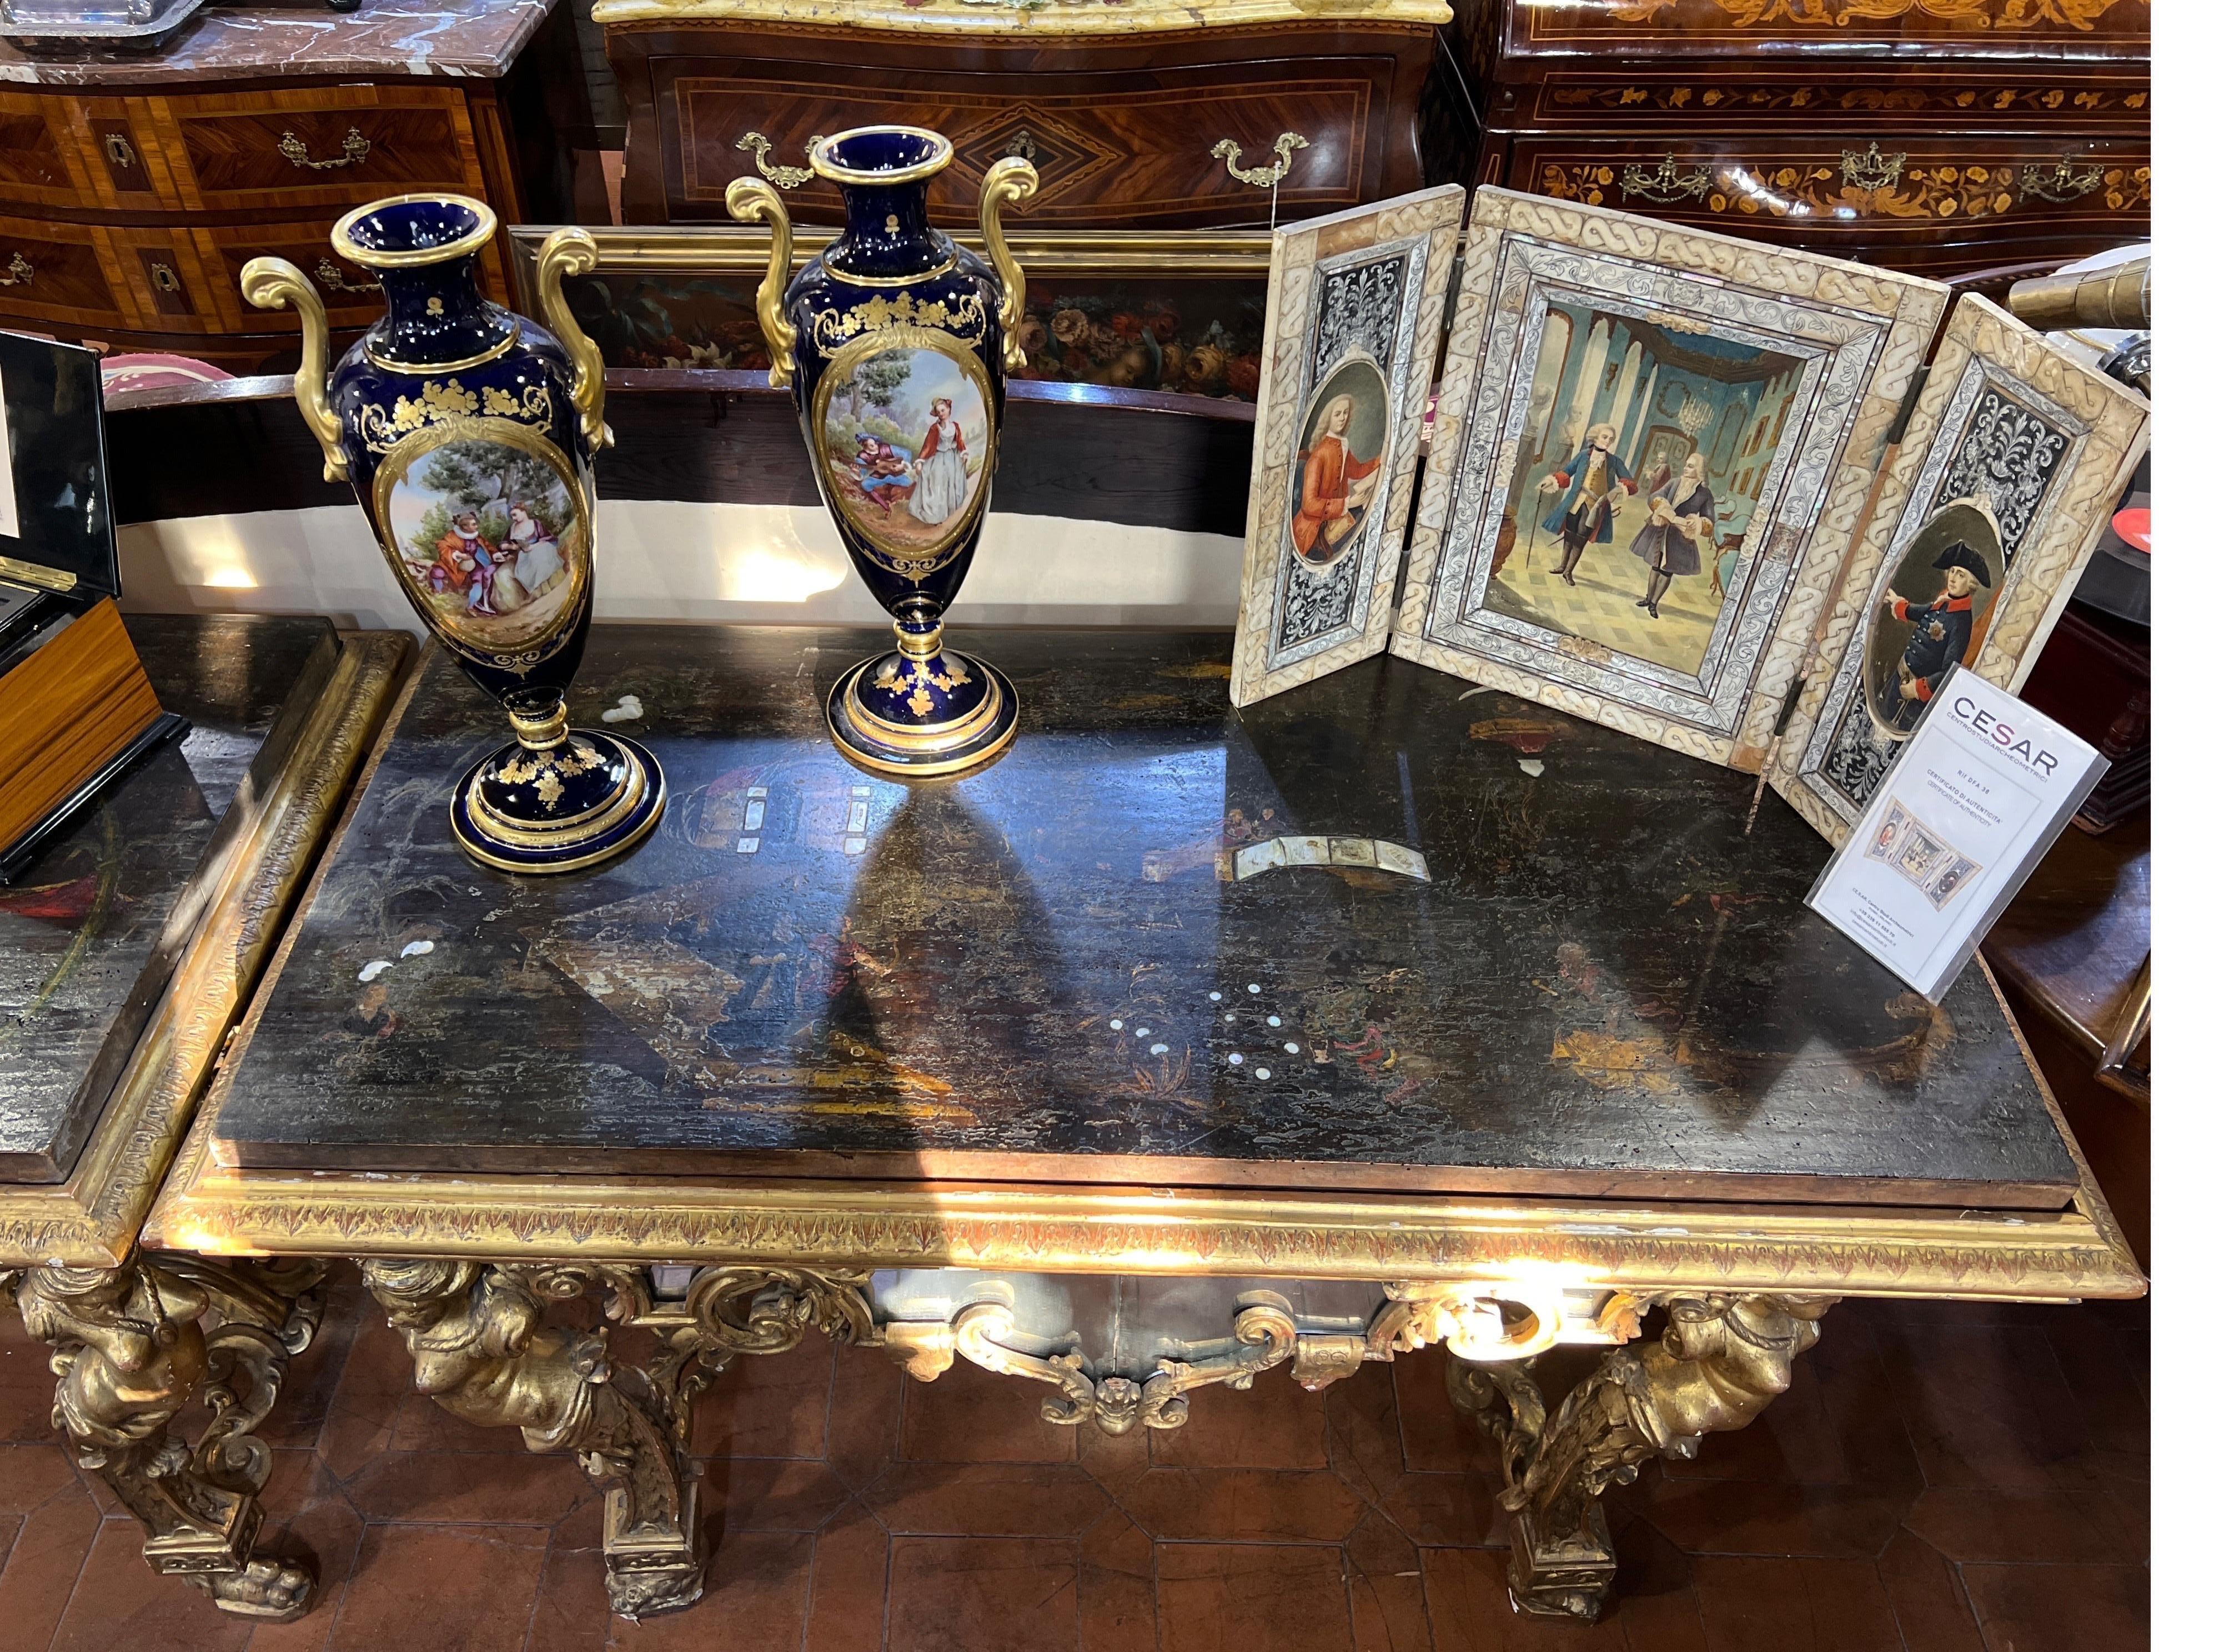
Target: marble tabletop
<point>465,38</point>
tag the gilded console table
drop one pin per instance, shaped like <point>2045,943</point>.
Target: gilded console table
<point>1178,1046</point>
<point>127,949</point>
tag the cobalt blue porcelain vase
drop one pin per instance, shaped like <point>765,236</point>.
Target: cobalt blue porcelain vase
<point>894,340</point>
<point>467,433</point>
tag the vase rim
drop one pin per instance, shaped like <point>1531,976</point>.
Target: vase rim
<point>822,157</point>
<point>472,236</point>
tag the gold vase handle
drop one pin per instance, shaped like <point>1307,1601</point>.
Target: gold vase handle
<point>1010,182</point>
<point>274,283</point>
<point>753,201</point>
<point>572,252</point>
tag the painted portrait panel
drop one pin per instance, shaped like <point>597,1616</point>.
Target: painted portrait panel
<point>488,531</point>
<point>1339,465</point>
<point>1933,613</point>
<point>906,453</point>
<point>1622,525</point>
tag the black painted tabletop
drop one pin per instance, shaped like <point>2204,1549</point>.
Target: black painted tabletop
<point>80,925</point>
<point>1158,942</point>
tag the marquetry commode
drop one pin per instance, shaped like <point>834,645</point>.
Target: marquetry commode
<point>1937,136</point>
<point>1138,114</point>
<point>1038,1069</point>
<point>135,184</point>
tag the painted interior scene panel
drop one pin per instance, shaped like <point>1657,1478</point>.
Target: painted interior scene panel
<point>1645,450</point>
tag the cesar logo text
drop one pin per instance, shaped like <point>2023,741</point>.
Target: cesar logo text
<point>2003,736</point>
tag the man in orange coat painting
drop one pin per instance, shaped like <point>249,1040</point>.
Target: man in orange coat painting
<point>1334,488</point>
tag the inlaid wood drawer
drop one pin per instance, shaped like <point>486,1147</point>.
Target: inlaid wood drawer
<point>333,147</point>
<point>64,273</point>
<point>1137,147</point>
<point>40,160</point>
<point>350,294</point>
<point>1923,204</point>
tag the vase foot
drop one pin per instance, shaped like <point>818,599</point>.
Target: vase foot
<point>941,714</point>
<point>562,808</point>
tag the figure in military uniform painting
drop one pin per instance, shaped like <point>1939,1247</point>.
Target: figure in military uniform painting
<point>1941,631</point>
<point>1597,483</point>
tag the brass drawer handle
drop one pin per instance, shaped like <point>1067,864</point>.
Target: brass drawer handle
<point>2063,183</point>
<point>786,178</point>
<point>356,147</point>
<point>1869,170</point>
<point>1260,178</point>
<point>120,151</point>
<point>1665,185</point>
<point>165,277</point>
<point>333,281</point>
<point>19,272</point>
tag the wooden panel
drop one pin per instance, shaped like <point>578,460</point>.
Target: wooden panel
<point>1134,147</point>
<point>39,162</point>
<point>352,297</point>
<point>61,273</point>
<point>332,147</point>
<point>1926,29</point>
<point>166,275</point>
<point>1906,203</point>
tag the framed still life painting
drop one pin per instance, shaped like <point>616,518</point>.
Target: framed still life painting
<point>2013,459</point>
<point>1651,451</point>
<point>1354,305</point>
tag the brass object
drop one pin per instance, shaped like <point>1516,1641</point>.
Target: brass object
<point>165,278</point>
<point>2064,183</point>
<point>753,201</point>
<point>131,1352</point>
<point>1871,170</point>
<point>1666,183</point>
<point>1010,182</point>
<point>47,579</point>
<point>334,281</point>
<point>1720,1362</point>
<point>19,271</point>
<point>786,178</point>
<point>2120,297</point>
<point>356,147</point>
<point>269,283</point>
<point>565,253</point>
<point>1261,177</point>
<point>120,151</point>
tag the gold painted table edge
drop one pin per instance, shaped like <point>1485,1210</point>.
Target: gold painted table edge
<point>467,1268</point>
<point>134,1338</point>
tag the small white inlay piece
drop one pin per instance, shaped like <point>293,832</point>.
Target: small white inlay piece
<point>1291,1049</point>
<point>853,847</point>
<point>415,949</point>
<point>1235,1060</point>
<point>1254,987</point>
<point>1142,1033</point>
<point>859,818</point>
<point>756,808</point>
<point>374,968</point>
<point>628,709</point>
<point>1158,1049</point>
<point>749,845</point>
<point>1274,1020</point>
<point>1261,1073</point>
<point>1119,1026</point>
<point>1532,765</point>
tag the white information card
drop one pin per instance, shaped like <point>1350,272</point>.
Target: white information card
<point>1963,816</point>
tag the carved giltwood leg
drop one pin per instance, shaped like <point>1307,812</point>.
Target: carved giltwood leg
<point>1720,1362</point>
<point>481,1350</point>
<point>130,1350</point>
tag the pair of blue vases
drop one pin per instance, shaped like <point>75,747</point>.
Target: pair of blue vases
<point>469,432</point>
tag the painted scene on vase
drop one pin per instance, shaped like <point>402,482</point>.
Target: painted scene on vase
<point>489,535</point>
<point>1932,613</point>
<point>1643,453</point>
<point>906,446</point>
<point>1339,463</point>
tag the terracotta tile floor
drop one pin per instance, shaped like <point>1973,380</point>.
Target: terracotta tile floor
<point>1940,1479</point>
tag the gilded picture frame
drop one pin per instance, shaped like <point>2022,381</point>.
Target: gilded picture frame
<point>1173,311</point>
<point>2046,444</point>
<point>1356,301</point>
<point>1783,371</point>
